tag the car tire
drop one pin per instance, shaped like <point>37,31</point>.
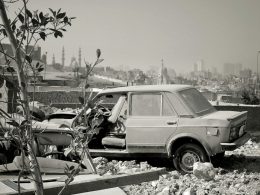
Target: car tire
<point>3,159</point>
<point>186,155</point>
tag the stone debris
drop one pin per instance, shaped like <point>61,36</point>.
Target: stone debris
<point>204,171</point>
<point>238,174</point>
<point>105,167</point>
<point>189,191</point>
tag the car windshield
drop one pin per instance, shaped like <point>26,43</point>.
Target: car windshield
<point>196,101</point>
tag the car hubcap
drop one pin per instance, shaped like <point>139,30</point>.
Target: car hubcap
<point>189,158</point>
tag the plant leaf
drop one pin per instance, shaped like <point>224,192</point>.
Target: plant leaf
<point>21,18</point>
<point>28,59</point>
<point>58,34</point>
<point>13,27</point>
<point>98,53</point>
<point>4,32</point>
<point>53,12</point>
<point>41,16</point>
<point>61,15</point>
<point>42,35</point>
<point>66,19</point>
<point>28,13</point>
<point>40,69</point>
<point>35,22</point>
<point>13,123</point>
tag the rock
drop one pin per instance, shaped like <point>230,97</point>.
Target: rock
<point>166,176</point>
<point>204,171</point>
<point>144,166</point>
<point>154,183</point>
<point>258,191</point>
<point>200,191</point>
<point>165,191</point>
<point>174,187</point>
<point>100,160</point>
<point>189,191</point>
<point>221,171</point>
<point>175,174</point>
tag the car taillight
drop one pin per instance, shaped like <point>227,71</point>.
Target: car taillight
<point>237,131</point>
<point>234,133</point>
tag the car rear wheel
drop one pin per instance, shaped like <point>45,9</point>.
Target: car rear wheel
<point>186,155</point>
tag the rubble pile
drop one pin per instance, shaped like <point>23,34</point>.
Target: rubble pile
<point>114,167</point>
<point>225,182</point>
<point>239,173</point>
<point>250,148</point>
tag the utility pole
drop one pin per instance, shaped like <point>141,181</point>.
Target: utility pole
<point>53,60</point>
<point>45,66</point>
<point>63,57</point>
<point>79,57</point>
<point>160,79</point>
<point>257,80</point>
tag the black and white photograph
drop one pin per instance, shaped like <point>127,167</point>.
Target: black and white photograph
<point>129,97</point>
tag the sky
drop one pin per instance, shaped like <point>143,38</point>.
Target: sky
<point>139,33</point>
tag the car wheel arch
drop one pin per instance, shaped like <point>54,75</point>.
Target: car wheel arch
<point>179,140</point>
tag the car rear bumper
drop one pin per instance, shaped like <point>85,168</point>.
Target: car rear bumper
<point>237,143</point>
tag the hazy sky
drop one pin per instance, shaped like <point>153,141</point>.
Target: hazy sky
<point>139,33</point>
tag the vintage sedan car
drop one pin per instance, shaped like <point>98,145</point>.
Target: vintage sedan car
<point>171,121</point>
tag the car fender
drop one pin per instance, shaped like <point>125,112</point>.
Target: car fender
<point>188,135</point>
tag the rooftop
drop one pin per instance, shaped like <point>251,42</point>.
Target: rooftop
<point>139,88</point>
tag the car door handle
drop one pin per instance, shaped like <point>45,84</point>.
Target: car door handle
<point>171,122</point>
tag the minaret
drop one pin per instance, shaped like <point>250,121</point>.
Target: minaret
<point>160,75</point>
<point>79,57</point>
<point>63,57</point>
<point>53,60</point>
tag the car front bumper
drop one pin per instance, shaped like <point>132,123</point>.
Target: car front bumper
<point>237,143</point>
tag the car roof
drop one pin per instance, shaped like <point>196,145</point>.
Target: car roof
<point>143,88</point>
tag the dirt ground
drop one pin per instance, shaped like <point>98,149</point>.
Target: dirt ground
<point>238,173</point>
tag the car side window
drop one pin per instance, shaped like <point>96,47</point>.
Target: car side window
<point>146,104</point>
<point>166,108</point>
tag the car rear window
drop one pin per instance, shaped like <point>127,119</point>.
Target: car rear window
<point>196,101</point>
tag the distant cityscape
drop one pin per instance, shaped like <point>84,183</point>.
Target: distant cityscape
<point>234,80</point>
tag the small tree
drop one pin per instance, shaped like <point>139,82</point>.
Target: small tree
<point>25,30</point>
<point>84,130</point>
<point>249,97</point>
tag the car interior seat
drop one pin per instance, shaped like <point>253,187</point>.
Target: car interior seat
<point>116,139</point>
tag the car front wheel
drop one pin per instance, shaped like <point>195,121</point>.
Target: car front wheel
<point>186,155</point>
